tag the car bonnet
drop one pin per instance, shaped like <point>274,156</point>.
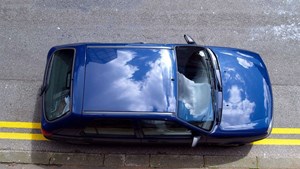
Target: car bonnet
<point>247,95</point>
<point>129,79</point>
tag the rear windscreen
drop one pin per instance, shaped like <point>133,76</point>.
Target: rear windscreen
<point>57,95</point>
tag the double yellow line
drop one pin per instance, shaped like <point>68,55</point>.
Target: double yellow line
<point>275,141</point>
<point>37,126</point>
<point>20,136</point>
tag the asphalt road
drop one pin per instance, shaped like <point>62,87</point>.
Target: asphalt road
<point>29,28</point>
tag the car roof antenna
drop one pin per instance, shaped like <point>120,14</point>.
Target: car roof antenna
<point>189,39</point>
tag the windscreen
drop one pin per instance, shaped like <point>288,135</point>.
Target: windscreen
<point>194,87</point>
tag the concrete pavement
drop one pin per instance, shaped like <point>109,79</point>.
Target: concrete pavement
<point>83,160</point>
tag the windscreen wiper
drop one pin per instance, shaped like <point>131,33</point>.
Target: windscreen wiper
<point>43,89</point>
<point>219,94</point>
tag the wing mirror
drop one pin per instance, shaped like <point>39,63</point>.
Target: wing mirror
<point>196,140</point>
<point>189,40</point>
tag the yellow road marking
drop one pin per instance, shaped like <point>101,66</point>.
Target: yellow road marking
<point>286,131</point>
<point>271,141</point>
<point>15,124</point>
<point>40,137</point>
<point>21,136</point>
<point>35,125</point>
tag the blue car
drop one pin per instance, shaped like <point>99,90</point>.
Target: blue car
<point>155,93</point>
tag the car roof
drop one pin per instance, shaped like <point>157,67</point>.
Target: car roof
<point>134,44</point>
<point>129,79</point>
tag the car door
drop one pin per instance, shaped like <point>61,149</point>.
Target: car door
<point>164,131</point>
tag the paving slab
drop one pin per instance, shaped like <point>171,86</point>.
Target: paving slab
<point>176,161</point>
<point>279,162</point>
<point>114,160</point>
<point>137,160</point>
<point>24,157</point>
<point>76,159</point>
<point>230,161</point>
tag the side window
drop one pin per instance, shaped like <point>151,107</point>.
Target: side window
<point>111,127</point>
<point>163,128</point>
<point>57,94</point>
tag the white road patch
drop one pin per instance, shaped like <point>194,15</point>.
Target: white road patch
<point>282,32</point>
<point>283,12</point>
<point>291,31</point>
